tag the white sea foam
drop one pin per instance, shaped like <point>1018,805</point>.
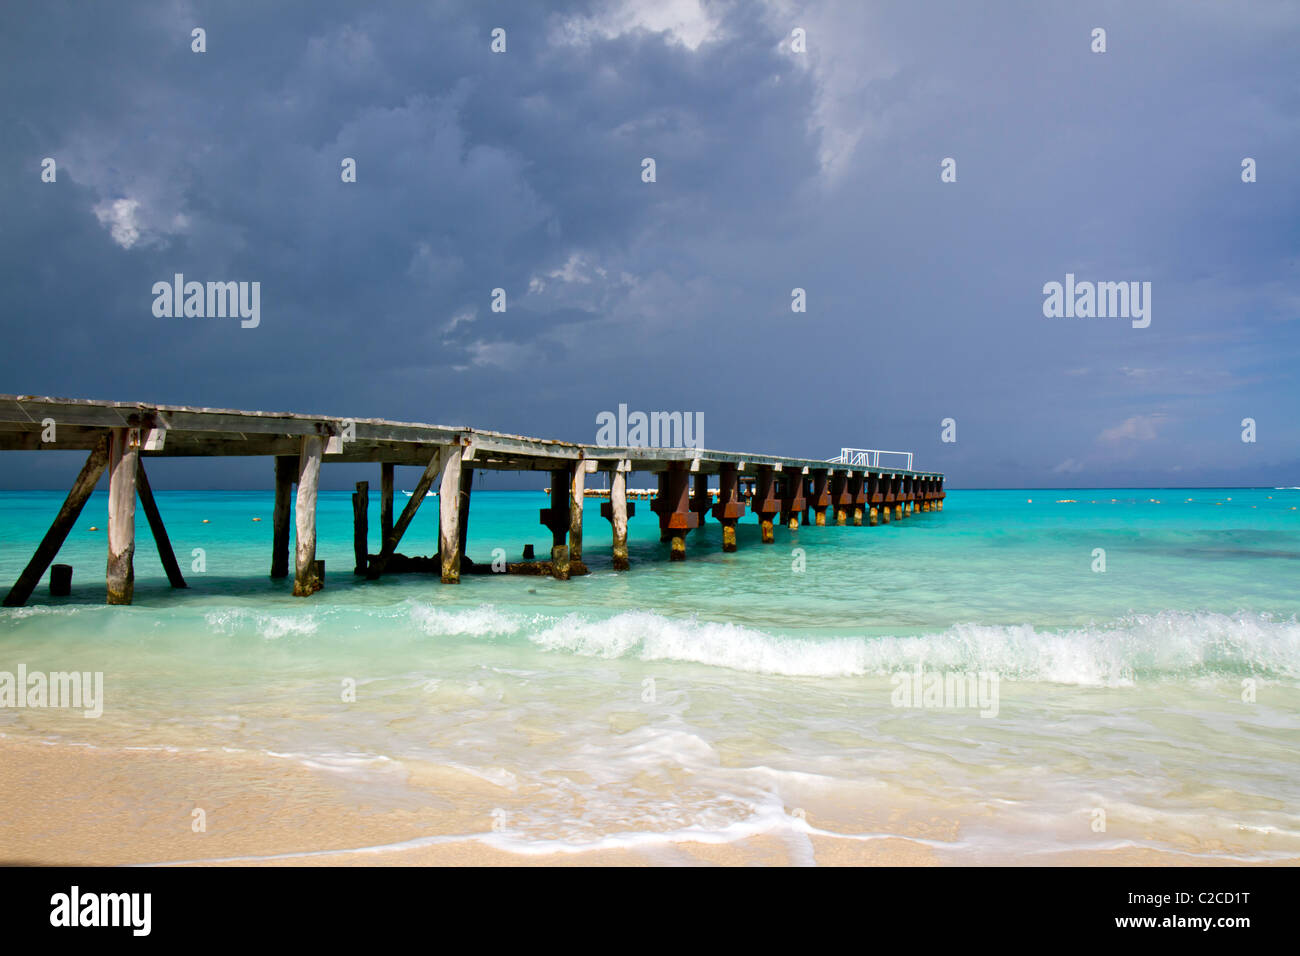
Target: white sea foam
<point>483,621</point>
<point>1169,644</point>
<point>268,626</point>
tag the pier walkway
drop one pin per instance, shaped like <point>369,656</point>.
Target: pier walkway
<point>120,436</point>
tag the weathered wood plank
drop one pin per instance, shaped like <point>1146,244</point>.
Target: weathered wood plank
<point>215,431</point>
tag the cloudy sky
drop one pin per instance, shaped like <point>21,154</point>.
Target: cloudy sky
<point>776,168</point>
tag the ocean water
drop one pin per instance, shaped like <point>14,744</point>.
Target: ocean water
<point>732,694</point>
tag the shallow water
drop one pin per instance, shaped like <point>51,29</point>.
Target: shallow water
<point>732,692</point>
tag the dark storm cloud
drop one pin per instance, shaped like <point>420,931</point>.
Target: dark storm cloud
<point>522,170</point>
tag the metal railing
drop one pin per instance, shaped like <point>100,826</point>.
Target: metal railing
<point>867,457</point>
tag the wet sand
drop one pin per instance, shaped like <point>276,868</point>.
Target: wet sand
<point>72,805</point>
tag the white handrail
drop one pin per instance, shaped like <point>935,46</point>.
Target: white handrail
<point>866,457</point>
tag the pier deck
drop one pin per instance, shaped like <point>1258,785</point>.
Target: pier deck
<point>120,436</point>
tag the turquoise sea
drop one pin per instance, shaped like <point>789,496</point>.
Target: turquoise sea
<point>739,693</point>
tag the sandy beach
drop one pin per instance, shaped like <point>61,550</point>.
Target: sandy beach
<point>72,805</point>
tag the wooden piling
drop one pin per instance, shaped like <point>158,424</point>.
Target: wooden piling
<point>361,527</point>
<point>466,487</point>
<point>64,521</point>
<point>449,515</point>
<point>306,580</point>
<point>60,580</point>
<point>123,464</point>
<point>576,496</point>
<point>286,471</point>
<point>385,501</point>
<point>165,552</point>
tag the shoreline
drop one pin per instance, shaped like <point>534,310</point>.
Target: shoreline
<point>66,804</point>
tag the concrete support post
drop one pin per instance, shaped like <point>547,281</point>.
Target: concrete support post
<point>729,508</point>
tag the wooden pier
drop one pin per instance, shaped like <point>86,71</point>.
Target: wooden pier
<point>120,437</point>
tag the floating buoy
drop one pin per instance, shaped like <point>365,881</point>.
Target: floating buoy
<point>205,520</point>
<point>1030,500</point>
<point>257,519</point>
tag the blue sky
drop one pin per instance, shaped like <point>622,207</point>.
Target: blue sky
<point>775,169</point>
